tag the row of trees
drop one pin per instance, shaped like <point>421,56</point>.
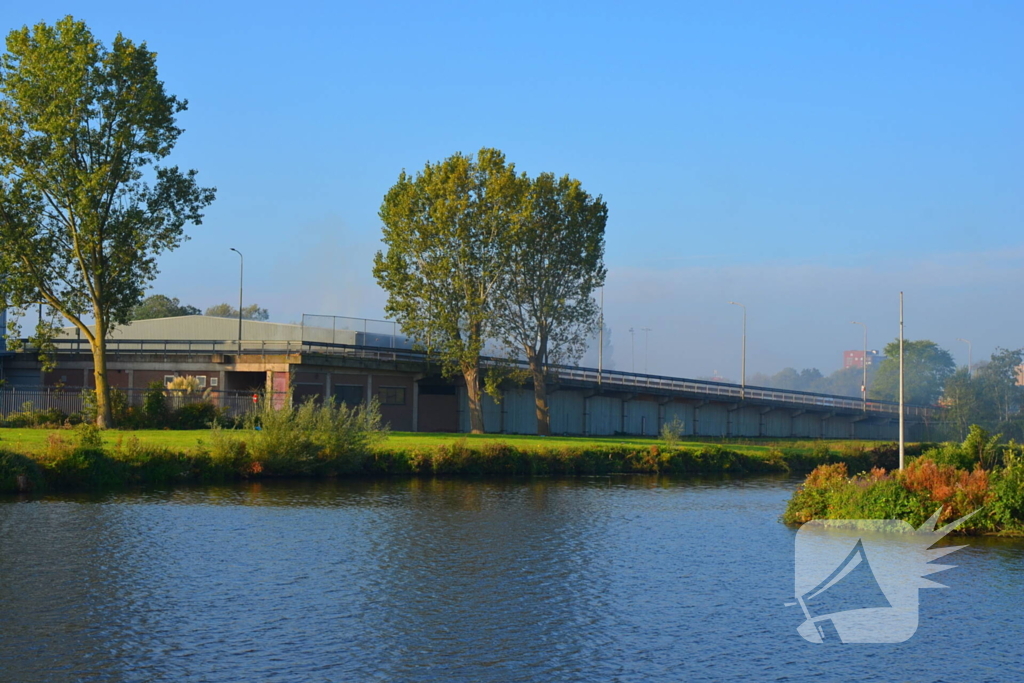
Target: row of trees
<point>479,254</point>
<point>843,382</point>
<point>161,306</point>
<point>989,395</point>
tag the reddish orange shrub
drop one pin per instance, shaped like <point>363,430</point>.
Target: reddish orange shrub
<point>958,491</point>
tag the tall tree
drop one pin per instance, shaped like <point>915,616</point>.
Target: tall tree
<point>160,306</point>
<point>552,260</point>
<point>250,312</point>
<point>443,232</point>
<point>926,367</point>
<point>962,402</point>
<point>84,210</point>
<point>998,380</point>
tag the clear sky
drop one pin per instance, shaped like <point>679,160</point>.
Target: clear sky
<point>809,159</point>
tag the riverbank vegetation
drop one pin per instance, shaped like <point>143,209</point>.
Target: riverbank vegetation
<point>332,441</point>
<point>980,474</point>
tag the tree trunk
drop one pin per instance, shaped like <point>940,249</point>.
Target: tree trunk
<point>104,416</point>
<point>476,411</point>
<point>540,396</point>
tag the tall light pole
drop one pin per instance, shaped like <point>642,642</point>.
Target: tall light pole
<point>241,281</point>
<point>646,331</point>
<point>632,354</point>
<point>970,359</point>
<point>743,361</point>
<point>864,364</point>
<point>901,383</point>
<point>600,342</point>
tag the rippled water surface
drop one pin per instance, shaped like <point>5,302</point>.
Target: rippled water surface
<point>631,579</point>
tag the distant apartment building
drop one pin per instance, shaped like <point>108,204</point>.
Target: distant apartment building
<point>855,359</point>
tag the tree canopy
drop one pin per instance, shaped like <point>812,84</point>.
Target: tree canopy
<point>926,367</point>
<point>160,306</point>
<point>84,207</point>
<point>443,230</point>
<point>250,312</point>
<point>552,260</point>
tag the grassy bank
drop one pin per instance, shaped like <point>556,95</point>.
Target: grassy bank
<point>977,475</point>
<point>39,459</point>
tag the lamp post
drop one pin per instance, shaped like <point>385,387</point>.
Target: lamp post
<point>646,331</point>
<point>600,343</point>
<point>970,360</point>
<point>864,364</point>
<point>241,280</point>
<point>632,354</point>
<point>743,361</point>
<point>902,409</point>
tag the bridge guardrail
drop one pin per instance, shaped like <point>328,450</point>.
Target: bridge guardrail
<point>389,354</point>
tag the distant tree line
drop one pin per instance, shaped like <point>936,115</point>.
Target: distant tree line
<point>988,395</point>
<point>161,306</point>
<point>845,382</point>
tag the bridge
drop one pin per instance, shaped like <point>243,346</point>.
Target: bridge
<point>415,397</point>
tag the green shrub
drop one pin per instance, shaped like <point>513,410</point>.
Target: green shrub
<point>200,415</point>
<point>29,417</point>
<point>154,405</point>
<point>328,439</point>
<point>672,431</point>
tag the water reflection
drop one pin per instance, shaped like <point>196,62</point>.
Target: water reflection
<point>631,579</point>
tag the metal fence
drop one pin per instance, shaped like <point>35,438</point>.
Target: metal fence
<point>72,400</point>
<point>391,353</point>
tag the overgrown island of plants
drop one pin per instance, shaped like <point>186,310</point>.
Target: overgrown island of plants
<point>981,475</point>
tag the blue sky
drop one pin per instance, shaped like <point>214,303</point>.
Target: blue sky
<point>808,159</point>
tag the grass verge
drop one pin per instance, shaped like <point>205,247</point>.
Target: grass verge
<point>84,458</point>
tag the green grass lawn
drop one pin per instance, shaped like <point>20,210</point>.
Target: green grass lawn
<point>34,440</point>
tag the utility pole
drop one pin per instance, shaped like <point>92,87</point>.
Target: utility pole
<point>646,331</point>
<point>600,342</point>
<point>241,281</point>
<point>901,384</point>
<point>632,354</point>
<point>743,361</point>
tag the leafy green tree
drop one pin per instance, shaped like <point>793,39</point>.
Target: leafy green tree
<point>251,312</point>
<point>84,210</point>
<point>998,380</point>
<point>963,403</point>
<point>160,306</point>
<point>443,229</point>
<point>926,367</point>
<point>551,262</point>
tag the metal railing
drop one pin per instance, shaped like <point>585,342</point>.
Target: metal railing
<point>616,378</point>
<point>71,400</point>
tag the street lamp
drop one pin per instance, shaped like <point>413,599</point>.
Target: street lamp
<point>864,364</point>
<point>600,342</point>
<point>970,360</point>
<point>646,331</point>
<point>241,280</point>
<point>632,355</point>
<point>743,363</point>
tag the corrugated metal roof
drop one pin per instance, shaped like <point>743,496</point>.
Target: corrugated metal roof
<point>210,328</point>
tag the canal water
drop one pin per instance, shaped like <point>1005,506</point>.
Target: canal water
<point>603,579</point>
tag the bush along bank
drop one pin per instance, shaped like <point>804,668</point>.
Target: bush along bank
<point>976,475</point>
<point>315,442</point>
